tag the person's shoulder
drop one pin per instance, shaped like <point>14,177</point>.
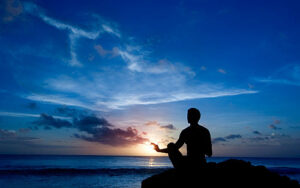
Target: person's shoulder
<point>185,130</point>
<point>204,129</point>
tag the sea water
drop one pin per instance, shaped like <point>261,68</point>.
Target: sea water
<point>105,171</point>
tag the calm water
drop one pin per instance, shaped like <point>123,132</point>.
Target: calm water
<point>104,171</point>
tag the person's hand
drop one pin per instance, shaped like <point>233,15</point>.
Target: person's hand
<point>155,147</point>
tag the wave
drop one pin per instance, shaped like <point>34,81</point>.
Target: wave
<point>114,171</point>
<point>76,171</point>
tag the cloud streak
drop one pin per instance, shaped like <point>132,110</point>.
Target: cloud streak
<point>287,75</point>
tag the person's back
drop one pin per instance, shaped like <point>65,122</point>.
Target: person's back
<point>197,140</point>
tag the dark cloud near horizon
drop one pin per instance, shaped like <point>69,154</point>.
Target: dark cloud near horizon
<point>218,139</point>
<point>169,126</point>
<point>233,136</point>
<point>272,126</point>
<point>113,137</point>
<point>8,136</point>
<point>256,132</point>
<point>7,133</point>
<point>49,121</point>
<point>94,129</point>
<point>226,138</point>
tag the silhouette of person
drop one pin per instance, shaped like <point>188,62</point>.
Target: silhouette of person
<point>197,139</point>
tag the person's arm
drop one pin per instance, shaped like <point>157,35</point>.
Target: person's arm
<point>178,145</point>
<point>180,141</point>
<point>209,147</point>
<point>165,150</point>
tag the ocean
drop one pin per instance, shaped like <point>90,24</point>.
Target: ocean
<point>49,171</point>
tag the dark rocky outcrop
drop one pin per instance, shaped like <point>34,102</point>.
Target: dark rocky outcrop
<point>230,173</point>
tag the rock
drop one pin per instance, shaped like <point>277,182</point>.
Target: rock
<point>230,173</point>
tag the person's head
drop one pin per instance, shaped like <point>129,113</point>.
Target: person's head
<point>193,115</point>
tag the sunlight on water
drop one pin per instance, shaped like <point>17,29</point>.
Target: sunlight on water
<point>151,162</point>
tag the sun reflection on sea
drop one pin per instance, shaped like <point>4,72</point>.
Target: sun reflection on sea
<point>151,162</point>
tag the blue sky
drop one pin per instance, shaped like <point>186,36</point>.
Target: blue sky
<point>108,77</point>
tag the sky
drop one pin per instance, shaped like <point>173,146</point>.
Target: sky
<point>109,77</point>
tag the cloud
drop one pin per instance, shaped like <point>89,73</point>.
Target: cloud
<point>222,71</point>
<point>59,99</point>
<point>169,126</point>
<point>218,139</point>
<point>74,32</point>
<point>9,136</point>
<point>24,130</point>
<point>49,121</point>
<point>256,132</point>
<point>113,137</point>
<point>226,138</point>
<point>94,129</point>
<point>272,126</point>
<point>272,139</point>
<point>16,114</point>
<point>156,124</point>
<point>233,136</point>
<point>287,75</point>
<point>10,10</point>
<point>7,133</point>
<point>115,100</point>
<point>203,68</point>
<point>145,80</point>
<point>102,52</point>
<point>145,99</point>
<point>137,62</point>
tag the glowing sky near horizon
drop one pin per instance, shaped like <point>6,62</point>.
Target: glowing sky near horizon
<point>109,77</point>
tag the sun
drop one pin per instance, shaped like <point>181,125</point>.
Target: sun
<point>148,149</point>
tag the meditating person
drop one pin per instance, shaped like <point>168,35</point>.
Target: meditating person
<point>197,139</point>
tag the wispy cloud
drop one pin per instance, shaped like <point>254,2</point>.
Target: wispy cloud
<point>74,32</point>
<point>156,124</point>
<point>287,75</point>
<point>16,114</point>
<point>146,99</point>
<point>59,99</point>
<point>222,71</point>
<point>127,98</point>
<point>22,115</point>
<point>138,63</point>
